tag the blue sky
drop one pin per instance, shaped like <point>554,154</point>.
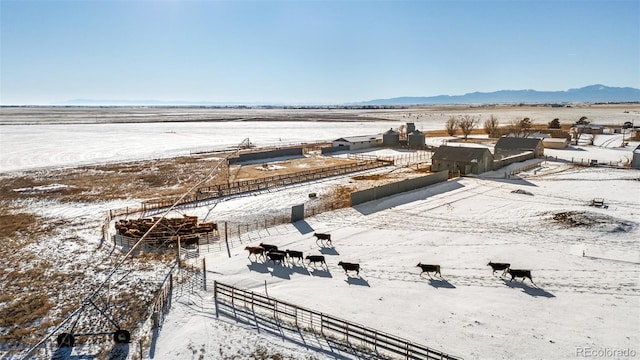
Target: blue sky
<point>310,52</point>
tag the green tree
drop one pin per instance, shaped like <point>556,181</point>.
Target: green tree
<point>554,124</point>
<point>580,127</point>
<point>583,121</point>
<point>525,125</point>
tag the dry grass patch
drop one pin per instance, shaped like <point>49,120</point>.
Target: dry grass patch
<point>341,195</point>
<point>369,177</point>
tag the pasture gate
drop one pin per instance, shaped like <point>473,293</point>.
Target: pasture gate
<point>351,334</point>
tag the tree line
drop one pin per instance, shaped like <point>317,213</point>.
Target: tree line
<point>518,127</point>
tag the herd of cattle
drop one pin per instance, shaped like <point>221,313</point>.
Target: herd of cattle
<point>269,252</point>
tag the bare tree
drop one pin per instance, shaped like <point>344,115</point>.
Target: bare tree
<point>452,126</point>
<point>491,126</point>
<point>466,124</point>
<point>520,127</point>
<point>515,127</point>
<point>402,129</point>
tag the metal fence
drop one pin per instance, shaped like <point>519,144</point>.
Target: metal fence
<point>621,164</point>
<point>349,333</point>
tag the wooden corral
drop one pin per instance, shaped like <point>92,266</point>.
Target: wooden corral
<point>169,230</point>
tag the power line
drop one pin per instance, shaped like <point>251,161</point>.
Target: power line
<point>89,299</point>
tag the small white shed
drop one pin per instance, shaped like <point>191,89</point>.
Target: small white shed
<point>555,143</point>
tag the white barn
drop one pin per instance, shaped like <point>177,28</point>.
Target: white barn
<point>358,142</point>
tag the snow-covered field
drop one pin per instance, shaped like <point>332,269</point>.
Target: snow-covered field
<point>578,302</point>
<point>586,297</point>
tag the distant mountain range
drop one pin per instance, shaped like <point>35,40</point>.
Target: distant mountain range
<point>590,94</point>
<point>587,94</point>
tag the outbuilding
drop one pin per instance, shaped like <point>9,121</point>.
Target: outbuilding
<point>635,162</point>
<point>357,142</point>
<point>555,143</point>
<point>467,160</point>
<point>415,139</point>
<point>511,145</point>
<point>391,138</point>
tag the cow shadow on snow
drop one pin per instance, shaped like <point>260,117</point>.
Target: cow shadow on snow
<point>357,281</point>
<point>258,267</point>
<point>281,271</point>
<point>441,284</point>
<point>527,289</point>
<point>320,272</point>
<point>299,269</point>
<point>329,251</point>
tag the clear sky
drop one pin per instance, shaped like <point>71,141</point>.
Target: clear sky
<point>310,52</point>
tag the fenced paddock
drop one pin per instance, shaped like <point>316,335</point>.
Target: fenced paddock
<point>218,190</point>
<point>232,299</point>
<point>378,192</point>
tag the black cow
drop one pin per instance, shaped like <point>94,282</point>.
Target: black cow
<point>350,267</point>
<point>276,256</point>
<point>435,269</point>
<point>316,258</point>
<point>323,237</point>
<point>520,273</point>
<point>499,266</point>
<point>268,247</point>
<point>294,254</point>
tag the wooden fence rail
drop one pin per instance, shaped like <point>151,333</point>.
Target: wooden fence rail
<point>239,187</point>
<point>218,190</point>
<point>354,335</point>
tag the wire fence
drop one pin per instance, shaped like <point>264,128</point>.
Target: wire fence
<point>620,164</point>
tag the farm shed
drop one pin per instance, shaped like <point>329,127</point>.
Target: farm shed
<point>635,162</point>
<point>358,142</point>
<point>555,143</point>
<point>266,155</point>
<point>511,145</point>
<point>588,129</point>
<point>467,160</point>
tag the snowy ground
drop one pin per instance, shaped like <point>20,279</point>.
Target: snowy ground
<point>578,302</point>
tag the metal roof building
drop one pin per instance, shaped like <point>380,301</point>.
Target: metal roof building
<point>358,142</point>
<point>510,145</point>
<point>467,160</point>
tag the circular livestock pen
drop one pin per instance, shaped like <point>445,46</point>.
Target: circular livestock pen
<point>167,233</point>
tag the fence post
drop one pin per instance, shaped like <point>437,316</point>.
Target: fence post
<point>226,239</point>
<point>215,296</point>
<point>204,273</point>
